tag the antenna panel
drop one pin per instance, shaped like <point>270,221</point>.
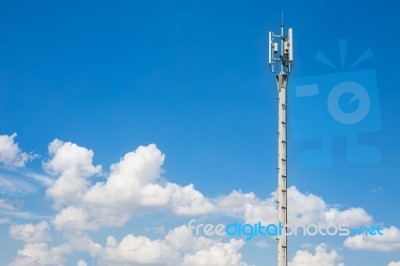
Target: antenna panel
<point>290,40</point>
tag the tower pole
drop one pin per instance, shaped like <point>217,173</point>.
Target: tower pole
<point>283,63</point>
<point>282,168</point>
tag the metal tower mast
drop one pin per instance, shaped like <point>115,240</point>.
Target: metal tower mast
<point>280,65</point>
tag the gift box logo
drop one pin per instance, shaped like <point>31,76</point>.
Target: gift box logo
<point>345,103</point>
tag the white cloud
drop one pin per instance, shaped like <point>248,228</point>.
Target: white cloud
<point>178,247</point>
<point>351,216</point>
<point>393,263</point>
<point>309,208</point>
<point>188,201</point>
<point>247,206</point>
<point>71,160</point>
<point>322,256</point>
<point>389,241</point>
<point>6,206</point>
<point>30,233</point>
<point>131,186</point>
<point>135,185</point>
<point>36,251</point>
<point>263,210</point>
<point>73,219</point>
<point>233,203</point>
<point>34,254</point>
<point>81,263</point>
<point>10,154</point>
<point>305,209</point>
<point>219,254</point>
<point>135,250</point>
<point>73,164</point>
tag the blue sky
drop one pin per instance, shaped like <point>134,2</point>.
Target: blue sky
<point>192,78</point>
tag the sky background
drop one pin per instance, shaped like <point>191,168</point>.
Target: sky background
<point>192,78</point>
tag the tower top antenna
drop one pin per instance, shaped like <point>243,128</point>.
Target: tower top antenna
<point>280,48</point>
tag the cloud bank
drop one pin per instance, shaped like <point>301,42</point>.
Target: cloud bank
<point>135,186</point>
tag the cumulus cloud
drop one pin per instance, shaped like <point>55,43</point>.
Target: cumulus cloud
<point>34,254</point>
<point>389,241</point>
<point>188,201</point>
<point>393,263</point>
<point>81,263</point>
<point>30,233</point>
<point>10,153</point>
<point>179,247</point>
<point>351,216</point>
<point>309,208</point>
<point>135,250</point>
<point>306,208</point>
<point>73,219</point>
<point>134,186</point>
<point>73,164</point>
<point>71,159</point>
<point>322,256</point>
<point>219,254</point>
<point>247,206</point>
<point>36,251</point>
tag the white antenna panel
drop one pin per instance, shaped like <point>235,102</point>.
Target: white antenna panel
<point>290,37</point>
<point>270,48</point>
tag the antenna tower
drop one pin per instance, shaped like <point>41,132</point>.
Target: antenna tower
<point>280,62</point>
